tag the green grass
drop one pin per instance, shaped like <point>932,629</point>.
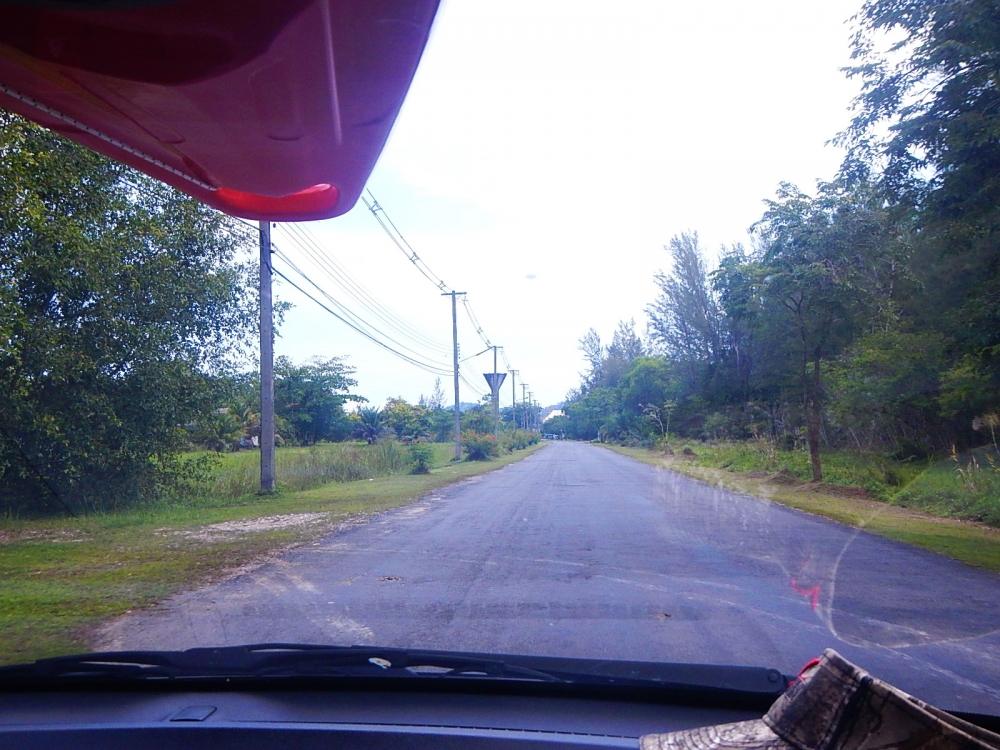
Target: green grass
<point>876,474</point>
<point>967,486</point>
<point>64,576</point>
<point>238,474</point>
<point>971,543</point>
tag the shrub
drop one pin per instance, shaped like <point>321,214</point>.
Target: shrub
<point>479,446</point>
<point>663,444</point>
<point>421,455</point>
<point>513,440</point>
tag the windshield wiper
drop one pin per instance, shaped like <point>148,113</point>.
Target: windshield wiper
<point>282,662</point>
<point>268,660</point>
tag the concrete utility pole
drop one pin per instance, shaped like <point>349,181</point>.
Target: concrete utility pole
<point>524,403</point>
<point>513,398</point>
<point>266,363</point>
<point>454,339</point>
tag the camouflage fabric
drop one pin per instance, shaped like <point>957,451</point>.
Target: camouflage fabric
<point>834,705</point>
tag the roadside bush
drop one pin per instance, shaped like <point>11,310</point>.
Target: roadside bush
<point>513,440</point>
<point>421,455</point>
<point>479,446</point>
<point>663,445</point>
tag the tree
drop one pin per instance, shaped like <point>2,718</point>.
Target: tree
<point>436,400</point>
<point>118,297</point>
<point>593,352</point>
<point>810,278</point>
<point>684,319</point>
<point>625,348</point>
<point>406,421</point>
<point>479,418</point>
<point>927,124</point>
<point>311,397</point>
<point>557,425</point>
<point>884,390</point>
<point>370,426</point>
<point>217,431</point>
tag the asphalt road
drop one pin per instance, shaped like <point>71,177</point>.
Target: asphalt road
<point>579,551</point>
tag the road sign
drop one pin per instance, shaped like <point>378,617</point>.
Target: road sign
<point>495,380</point>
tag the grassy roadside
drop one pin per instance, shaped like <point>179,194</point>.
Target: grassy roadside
<point>969,542</point>
<point>62,577</point>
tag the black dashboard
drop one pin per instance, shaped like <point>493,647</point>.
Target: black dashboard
<point>341,718</point>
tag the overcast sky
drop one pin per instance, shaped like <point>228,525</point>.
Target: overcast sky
<point>546,153</point>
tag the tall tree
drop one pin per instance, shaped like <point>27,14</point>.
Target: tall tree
<point>117,297</point>
<point>927,123</point>
<point>593,351</point>
<point>811,275</point>
<point>684,319</point>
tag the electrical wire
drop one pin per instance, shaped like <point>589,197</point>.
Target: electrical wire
<point>477,354</point>
<point>359,321</point>
<point>475,322</point>
<point>401,242</point>
<point>472,387</point>
<point>311,248</point>
<point>417,363</point>
<point>422,365</point>
<point>304,240</point>
<point>396,321</point>
<point>340,276</point>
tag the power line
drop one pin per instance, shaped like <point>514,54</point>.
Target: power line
<point>358,320</point>
<point>356,290</point>
<point>385,221</point>
<point>434,368</point>
<point>472,387</point>
<point>429,367</point>
<point>401,242</point>
<point>311,248</point>
<point>475,323</point>
<point>477,354</point>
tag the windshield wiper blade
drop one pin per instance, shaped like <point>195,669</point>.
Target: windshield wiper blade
<point>268,660</point>
<point>317,660</point>
<point>289,661</point>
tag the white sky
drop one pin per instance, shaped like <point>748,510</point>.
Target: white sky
<point>546,153</point>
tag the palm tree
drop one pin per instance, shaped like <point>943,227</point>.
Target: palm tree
<point>370,424</point>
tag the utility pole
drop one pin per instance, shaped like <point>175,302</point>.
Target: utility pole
<point>524,403</point>
<point>531,410</point>
<point>454,339</point>
<point>513,398</point>
<point>266,363</point>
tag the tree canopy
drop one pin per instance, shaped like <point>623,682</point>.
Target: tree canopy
<point>866,312</point>
<point>117,298</point>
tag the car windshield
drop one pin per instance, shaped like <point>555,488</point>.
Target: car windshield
<point>661,332</point>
